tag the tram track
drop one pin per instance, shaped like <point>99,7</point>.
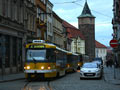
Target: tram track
<point>42,86</point>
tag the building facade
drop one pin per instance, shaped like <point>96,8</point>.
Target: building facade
<point>41,19</point>
<point>86,23</point>
<point>49,22</point>
<point>116,29</point>
<point>29,19</point>
<point>78,45</point>
<point>58,35</point>
<point>76,39</point>
<point>12,36</point>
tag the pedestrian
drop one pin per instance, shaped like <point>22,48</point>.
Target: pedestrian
<point>107,63</point>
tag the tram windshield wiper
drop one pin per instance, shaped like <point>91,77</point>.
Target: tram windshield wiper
<point>33,58</point>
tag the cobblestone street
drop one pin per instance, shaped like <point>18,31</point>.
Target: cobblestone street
<point>73,82</point>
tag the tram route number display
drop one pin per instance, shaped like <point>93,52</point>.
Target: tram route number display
<point>37,46</point>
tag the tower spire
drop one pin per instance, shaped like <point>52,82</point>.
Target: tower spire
<point>86,11</point>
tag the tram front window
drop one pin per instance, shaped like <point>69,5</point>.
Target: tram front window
<point>36,54</point>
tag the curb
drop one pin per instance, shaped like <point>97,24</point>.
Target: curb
<point>2,81</point>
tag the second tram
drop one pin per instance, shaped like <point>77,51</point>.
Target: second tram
<point>72,61</point>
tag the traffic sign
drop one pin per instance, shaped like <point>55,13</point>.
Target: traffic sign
<point>113,43</point>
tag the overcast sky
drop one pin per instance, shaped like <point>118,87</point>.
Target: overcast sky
<point>102,10</point>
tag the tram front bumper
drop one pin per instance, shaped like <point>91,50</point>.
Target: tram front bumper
<point>45,73</point>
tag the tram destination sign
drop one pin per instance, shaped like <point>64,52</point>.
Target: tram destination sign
<point>36,46</point>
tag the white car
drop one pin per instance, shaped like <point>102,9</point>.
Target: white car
<point>90,70</point>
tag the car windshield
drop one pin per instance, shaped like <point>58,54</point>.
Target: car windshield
<point>89,66</point>
<point>36,54</point>
<point>97,59</point>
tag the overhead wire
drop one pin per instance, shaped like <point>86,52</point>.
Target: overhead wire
<point>75,2</point>
<point>95,11</point>
<point>68,2</point>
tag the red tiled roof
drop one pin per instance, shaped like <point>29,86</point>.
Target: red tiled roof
<point>72,31</point>
<point>68,25</point>
<point>99,45</point>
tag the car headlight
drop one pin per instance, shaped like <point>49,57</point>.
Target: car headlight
<point>97,70</point>
<point>81,70</point>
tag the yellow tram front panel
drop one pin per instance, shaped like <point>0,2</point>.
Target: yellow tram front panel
<point>48,69</point>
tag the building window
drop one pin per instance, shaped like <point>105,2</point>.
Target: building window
<point>14,51</point>
<point>42,16</point>
<point>20,53</point>
<point>7,53</point>
<point>38,33</point>
<point>15,12</point>
<point>21,14</point>
<point>38,12</point>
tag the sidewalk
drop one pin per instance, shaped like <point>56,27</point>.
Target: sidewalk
<point>112,75</point>
<point>11,77</point>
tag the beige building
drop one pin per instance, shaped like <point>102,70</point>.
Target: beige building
<point>41,19</point>
<point>49,22</point>
<point>78,45</point>
<point>58,36</point>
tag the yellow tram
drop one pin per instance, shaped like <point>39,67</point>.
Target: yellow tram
<point>44,60</point>
<point>72,61</point>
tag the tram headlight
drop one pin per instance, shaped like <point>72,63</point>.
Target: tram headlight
<point>27,67</point>
<point>42,67</point>
<point>49,67</point>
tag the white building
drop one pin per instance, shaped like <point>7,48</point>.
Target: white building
<point>100,51</point>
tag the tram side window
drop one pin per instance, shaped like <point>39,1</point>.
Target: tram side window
<point>61,58</point>
<point>50,55</point>
<point>64,58</point>
<point>58,57</point>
